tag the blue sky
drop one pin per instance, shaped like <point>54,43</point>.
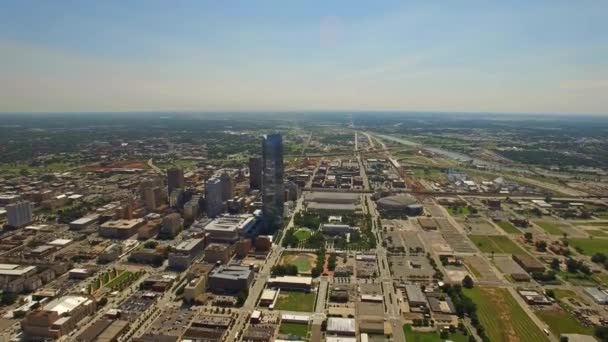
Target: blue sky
<point>507,56</point>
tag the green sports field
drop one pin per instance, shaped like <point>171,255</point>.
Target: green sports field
<point>431,336</point>
<point>502,317</point>
<point>508,227</point>
<point>550,227</point>
<point>596,232</point>
<point>561,322</point>
<point>296,301</point>
<point>302,234</point>
<point>496,244</point>
<point>303,261</point>
<point>294,329</point>
<point>590,246</point>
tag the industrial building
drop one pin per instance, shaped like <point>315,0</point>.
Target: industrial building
<point>599,296</point>
<point>341,326</point>
<point>528,263</point>
<point>415,296</point>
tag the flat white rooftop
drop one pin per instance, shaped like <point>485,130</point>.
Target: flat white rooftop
<point>268,294</point>
<point>60,242</point>
<point>17,270</point>
<point>65,304</point>
<point>338,324</point>
<point>291,280</point>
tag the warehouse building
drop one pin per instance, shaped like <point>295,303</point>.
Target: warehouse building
<point>415,296</point>
<point>341,326</point>
<point>528,263</point>
<point>598,296</point>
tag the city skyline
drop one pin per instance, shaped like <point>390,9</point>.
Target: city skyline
<point>521,57</point>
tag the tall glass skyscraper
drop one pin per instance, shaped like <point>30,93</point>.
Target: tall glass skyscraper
<point>273,189</point>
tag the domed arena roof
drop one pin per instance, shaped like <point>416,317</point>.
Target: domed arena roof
<point>396,202</point>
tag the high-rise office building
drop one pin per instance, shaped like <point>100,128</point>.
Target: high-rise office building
<point>255,173</point>
<point>150,193</point>
<point>191,208</point>
<point>19,214</point>
<point>227,186</point>
<point>175,179</point>
<point>213,197</point>
<point>151,198</point>
<point>273,189</point>
<point>176,198</point>
<point>171,226</point>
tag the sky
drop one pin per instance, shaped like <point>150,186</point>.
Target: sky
<point>516,56</point>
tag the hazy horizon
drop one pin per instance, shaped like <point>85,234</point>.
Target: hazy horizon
<point>545,57</point>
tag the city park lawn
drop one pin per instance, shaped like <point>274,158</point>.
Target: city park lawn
<point>302,234</point>
<point>122,280</point>
<point>550,227</point>
<point>295,301</point>
<point>601,278</point>
<point>561,294</point>
<point>303,261</point>
<point>496,244</point>
<point>502,317</point>
<point>430,336</point>
<point>596,233</point>
<point>561,322</point>
<point>459,211</point>
<point>430,174</point>
<point>603,224</point>
<point>294,329</point>
<point>590,246</point>
<point>508,227</point>
<point>578,278</point>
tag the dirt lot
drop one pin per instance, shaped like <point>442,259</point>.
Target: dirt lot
<point>478,226</point>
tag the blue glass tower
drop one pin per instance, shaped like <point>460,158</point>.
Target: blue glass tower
<point>273,189</point>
